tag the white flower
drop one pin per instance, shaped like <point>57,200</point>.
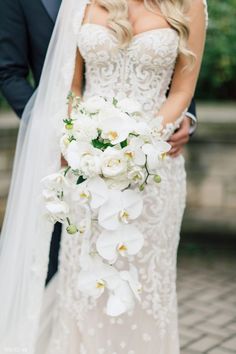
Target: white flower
<point>120,208</point>
<point>125,241</point>
<point>129,106</point>
<point>133,152</point>
<point>122,293</point>
<point>93,191</point>
<point>85,129</point>
<point>54,186</point>
<point>131,277</point>
<point>98,191</point>
<point>94,280</point>
<point>64,143</point>
<point>154,152</point>
<point>136,175</point>
<point>80,193</point>
<point>94,104</point>
<point>90,165</point>
<point>156,127</point>
<point>107,112</point>
<point>121,300</point>
<point>121,286</point>
<point>83,155</point>
<point>117,128</point>
<point>57,210</point>
<point>113,162</point>
<point>54,181</point>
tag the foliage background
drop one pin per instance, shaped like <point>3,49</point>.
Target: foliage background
<point>218,75</point>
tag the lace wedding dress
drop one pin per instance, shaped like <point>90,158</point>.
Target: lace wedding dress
<point>143,70</point>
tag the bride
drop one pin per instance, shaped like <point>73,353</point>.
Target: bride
<point>138,48</point>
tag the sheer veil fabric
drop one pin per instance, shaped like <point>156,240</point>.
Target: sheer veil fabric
<point>26,234</point>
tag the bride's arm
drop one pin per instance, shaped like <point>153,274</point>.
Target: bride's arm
<point>76,87</point>
<point>77,81</point>
<point>185,79</point>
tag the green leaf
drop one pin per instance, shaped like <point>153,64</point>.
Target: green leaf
<point>80,180</point>
<point>124,143</point>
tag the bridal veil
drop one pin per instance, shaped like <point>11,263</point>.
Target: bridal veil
<point>26,233</point>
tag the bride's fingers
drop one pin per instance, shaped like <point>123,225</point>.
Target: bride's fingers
<point>179,143</point>
<point>176,151</point>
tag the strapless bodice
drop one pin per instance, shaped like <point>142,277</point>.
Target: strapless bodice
<point>142,70</point>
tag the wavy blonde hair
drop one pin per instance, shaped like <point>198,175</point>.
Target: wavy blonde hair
<point>174,12</point>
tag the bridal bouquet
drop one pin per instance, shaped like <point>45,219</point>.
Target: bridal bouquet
<point>112,154</point>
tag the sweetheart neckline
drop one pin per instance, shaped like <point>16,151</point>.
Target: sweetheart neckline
<point>137,35</point>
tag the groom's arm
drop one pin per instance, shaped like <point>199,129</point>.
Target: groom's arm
<point>191,114</point>
<point>14,68</point>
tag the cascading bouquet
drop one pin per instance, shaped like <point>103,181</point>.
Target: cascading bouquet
<point>112,154</point>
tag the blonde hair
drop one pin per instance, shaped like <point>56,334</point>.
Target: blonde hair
<point>174,12</point>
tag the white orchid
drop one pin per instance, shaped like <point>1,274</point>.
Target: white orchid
<point>113,162</point>
<point>120,208</point>
<point>133,152</point>
<point>99,192</point>
<point>95,279</point>
<point>127,240</point>
<point>54,181</point>
<point>121,297</point>
<point>121,300</point>
<point>117,128</point>
<point>154,153</point>
<point>93,191</point>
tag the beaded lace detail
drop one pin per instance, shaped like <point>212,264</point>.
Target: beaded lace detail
<point>143,71</point>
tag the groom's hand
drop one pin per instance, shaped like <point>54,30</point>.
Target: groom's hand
<point>180,138</point>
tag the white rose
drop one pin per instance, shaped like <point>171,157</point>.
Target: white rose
<point>76,150</point>
<point>106,112</point>
<point>94,104</point>
<point>113,163</point>
<point>85,129</point>
<point>136,175</point>
<point>90,165</point>
<point>129,106</point>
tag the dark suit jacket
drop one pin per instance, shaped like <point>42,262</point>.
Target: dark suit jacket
<point>25,30</point>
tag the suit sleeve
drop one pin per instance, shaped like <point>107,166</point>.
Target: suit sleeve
<point>14,67</point>
<point>192,108</point>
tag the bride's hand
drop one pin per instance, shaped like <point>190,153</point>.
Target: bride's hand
<point>180,138</point>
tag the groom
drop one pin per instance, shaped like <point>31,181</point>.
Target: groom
<point>25,30</point>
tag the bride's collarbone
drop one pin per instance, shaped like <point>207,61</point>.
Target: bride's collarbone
<point>142,22</point>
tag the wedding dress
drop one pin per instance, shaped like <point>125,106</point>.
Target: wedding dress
<point>142,71</point>
<point>71,323</point>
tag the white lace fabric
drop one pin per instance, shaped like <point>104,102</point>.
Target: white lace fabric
<point>142,71</point>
